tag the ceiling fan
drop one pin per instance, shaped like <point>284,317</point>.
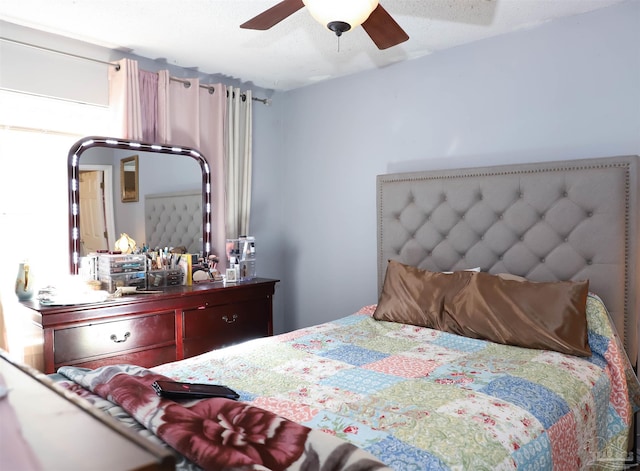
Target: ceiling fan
<point>338,16</point>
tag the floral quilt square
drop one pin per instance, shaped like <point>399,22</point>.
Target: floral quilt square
<point>403,366</point>
<point>353,355</point>
<point>360,380</point>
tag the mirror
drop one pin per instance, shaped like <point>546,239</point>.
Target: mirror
<point>160,169</point>
<point>129,179</point>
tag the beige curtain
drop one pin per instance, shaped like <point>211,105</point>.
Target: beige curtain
<point>238,161</point>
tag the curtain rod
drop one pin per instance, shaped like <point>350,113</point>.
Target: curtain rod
<point>35,46</point>
<point>211,88</point>
<point>187,84</point>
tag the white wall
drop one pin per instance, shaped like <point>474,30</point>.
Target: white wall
<point>44,73</point>
<point>567,89</point>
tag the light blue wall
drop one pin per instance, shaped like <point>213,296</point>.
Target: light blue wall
<point>567,89</point>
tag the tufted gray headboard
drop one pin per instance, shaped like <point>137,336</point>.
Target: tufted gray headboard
<point>568,220</point>
<point>174,220</point>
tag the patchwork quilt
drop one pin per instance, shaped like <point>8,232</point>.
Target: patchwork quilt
<point>420,399</point>
<point>219,433</point>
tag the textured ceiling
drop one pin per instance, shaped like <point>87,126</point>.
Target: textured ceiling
<point>205,34</point>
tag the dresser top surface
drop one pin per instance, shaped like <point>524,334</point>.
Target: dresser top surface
<point>167,293</point>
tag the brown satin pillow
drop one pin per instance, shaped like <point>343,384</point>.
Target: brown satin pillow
<point>541,315</point>
<point>414,296</point>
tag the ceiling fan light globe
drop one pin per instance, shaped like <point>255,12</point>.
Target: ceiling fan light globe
<point>351,12</point>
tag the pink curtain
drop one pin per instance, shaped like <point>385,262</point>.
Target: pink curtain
<point>212,125</point>
<point>164,112</point>
<point>124,100</point>
<point>192,116</point>
<point>152,107</point>
<point>149,105</point>
<point>180,111</point>
<point>4,341</point>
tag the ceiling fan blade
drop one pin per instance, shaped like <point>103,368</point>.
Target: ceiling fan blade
<point>273,15</point>
<point>383,29</point>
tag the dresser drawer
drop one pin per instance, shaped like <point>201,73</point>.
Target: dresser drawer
<point>105,338</point>
<point>146,358</point>
<point>219,326</point>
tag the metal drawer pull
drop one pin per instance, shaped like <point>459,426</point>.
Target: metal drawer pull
<point>233,319</point>
<point>115,339</point>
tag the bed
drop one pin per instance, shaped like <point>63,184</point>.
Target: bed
<point>399,386</point>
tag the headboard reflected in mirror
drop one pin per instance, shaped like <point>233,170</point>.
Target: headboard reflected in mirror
<point>158,167</point>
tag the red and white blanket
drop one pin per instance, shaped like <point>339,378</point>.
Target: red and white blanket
<point>218,433</point>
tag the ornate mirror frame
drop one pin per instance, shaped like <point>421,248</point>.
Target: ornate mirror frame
<point>73,166</point>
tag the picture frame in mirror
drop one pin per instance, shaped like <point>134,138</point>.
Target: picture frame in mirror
<point>129,179</point>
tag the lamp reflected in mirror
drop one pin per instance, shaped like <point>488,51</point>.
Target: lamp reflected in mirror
<point>129,179</point>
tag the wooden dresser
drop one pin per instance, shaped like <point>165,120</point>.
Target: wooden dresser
<point>151,329</point>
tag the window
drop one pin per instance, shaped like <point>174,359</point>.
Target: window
<point>35,136</point>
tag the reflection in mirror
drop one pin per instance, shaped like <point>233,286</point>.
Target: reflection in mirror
<point>164,175</point>
<point>129,179</point>
<point>97,228</point>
